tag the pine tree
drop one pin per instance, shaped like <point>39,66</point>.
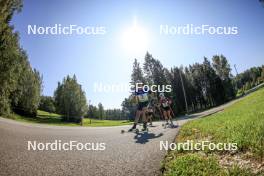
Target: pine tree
<point>223,70</point>
<point>70,99</point>
<point>137,73</point>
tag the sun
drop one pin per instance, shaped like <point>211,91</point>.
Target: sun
<point>135,39</point>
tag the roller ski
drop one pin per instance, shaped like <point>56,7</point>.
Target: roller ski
<point>133,129</point>
<point>165,125</point>
<point>170,125</point>
<point>130,131</point>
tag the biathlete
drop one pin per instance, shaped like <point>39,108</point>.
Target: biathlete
<point>166,109</point>
<point>150,114</point>
<point>142,100</point>
<point>153,101</point>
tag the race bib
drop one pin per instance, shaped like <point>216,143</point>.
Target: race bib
<point>165,104</point>
<point>143,97</point>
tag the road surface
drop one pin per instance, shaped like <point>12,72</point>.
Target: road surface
<point>125,154</point>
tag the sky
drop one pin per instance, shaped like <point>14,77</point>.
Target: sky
<point>131,29</point>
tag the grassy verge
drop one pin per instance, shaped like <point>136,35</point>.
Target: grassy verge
<point>241,123</point>
<point>55,119</point>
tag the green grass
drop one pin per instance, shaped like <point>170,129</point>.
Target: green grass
<point>105,122</point>
<point>241,123</point>
<point>197,165</point>
<point>55,119</point>
<point>192,164</point>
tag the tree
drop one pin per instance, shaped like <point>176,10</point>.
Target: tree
<point>70,99</point>
<point>223,70</point>
<point>206,85</point>
<point>249,78</point>
<point>101,111</point>
<point>154,71</point>
<point>92,112</point>
<point>262,74</point>
<point>9,54</point>
<point>128,108</point>
<point>47,103</point>
<point>221,66</point>
<point>114,114</point>
<point>137,73</point>
<point>20,84</point>
<point>262,71</point>
<point>30,87</point>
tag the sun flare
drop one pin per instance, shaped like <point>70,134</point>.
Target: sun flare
<point>135,39</point>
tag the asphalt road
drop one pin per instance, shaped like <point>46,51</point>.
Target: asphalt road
<point>124,154</point>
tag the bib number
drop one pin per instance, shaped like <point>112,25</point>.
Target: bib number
<point>143,97</point>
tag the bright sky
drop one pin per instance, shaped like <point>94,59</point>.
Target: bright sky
<point>132,28</point>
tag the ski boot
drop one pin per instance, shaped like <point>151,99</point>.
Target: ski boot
<point>171,124</point>
<point>134,127</point>
<point>144,127</point>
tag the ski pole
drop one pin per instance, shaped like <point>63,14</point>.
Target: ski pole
<point>172,111</point>
<point>161,115</point>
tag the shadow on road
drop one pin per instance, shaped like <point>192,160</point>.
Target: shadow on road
<point>143,138</point>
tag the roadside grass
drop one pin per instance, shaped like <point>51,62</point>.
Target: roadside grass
<point>96,122</point>
<point>241,123</point>
<point>56,119</point>
<point>197,165</point>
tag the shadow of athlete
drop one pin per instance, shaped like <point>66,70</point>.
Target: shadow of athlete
<point>144,137</point>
